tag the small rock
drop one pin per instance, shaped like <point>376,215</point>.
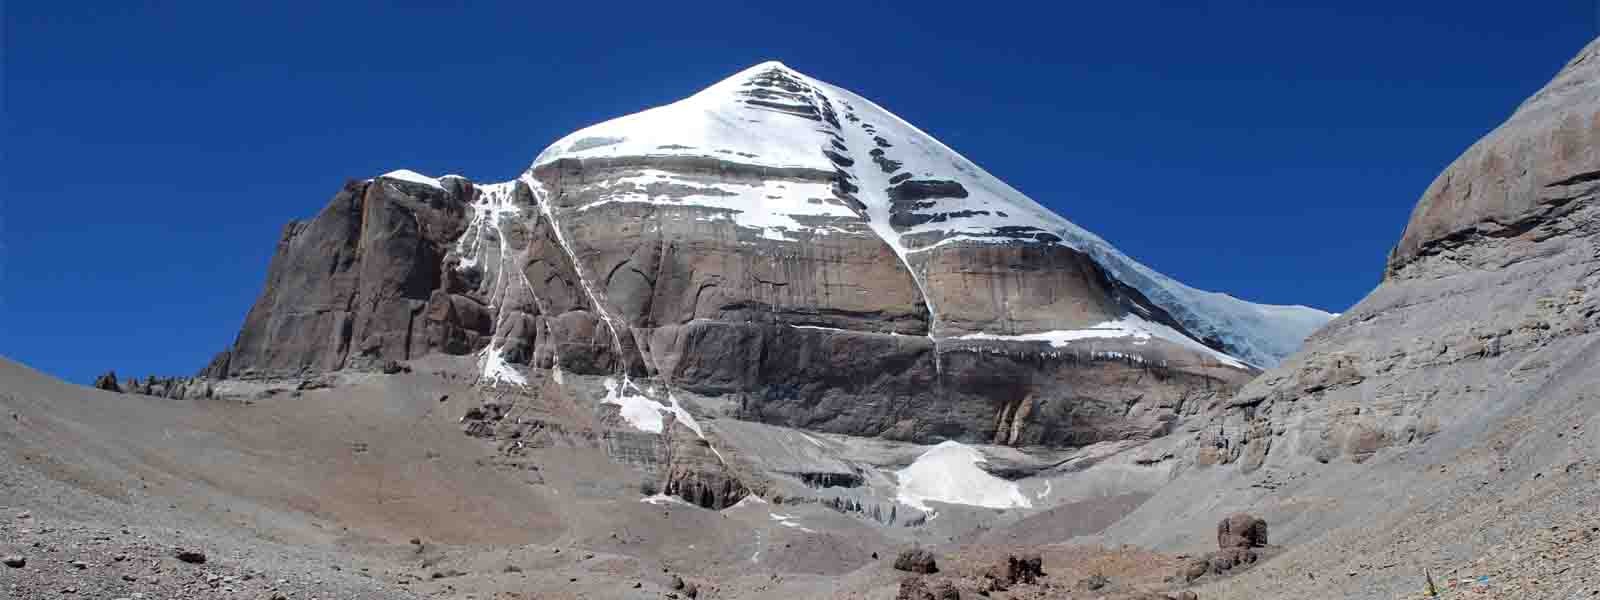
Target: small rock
<point>15,561</point>
<point>193,557</point>
<point>677,582</point>
<point>1094,582</point>
<point>691,591</point>
<point>79,565</point>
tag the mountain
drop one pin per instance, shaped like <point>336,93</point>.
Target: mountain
<point>1451,411</point>
<point>683,372</point>
<point>775,245</point>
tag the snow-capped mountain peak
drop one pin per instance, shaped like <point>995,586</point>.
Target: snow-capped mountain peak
<point>913,191</point>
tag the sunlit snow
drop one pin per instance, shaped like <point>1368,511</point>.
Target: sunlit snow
<point>413,177</point>
<point>1130,326</point>
<point>949,473</point>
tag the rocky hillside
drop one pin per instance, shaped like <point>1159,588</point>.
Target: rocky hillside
<point>776,244</point>
<point>1453,411</point>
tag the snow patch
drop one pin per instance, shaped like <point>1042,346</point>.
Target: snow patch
<point>494,368</point>
<point>638,410</point>
<point>413,177</point>
<point>949,472</point>
<point>641,410</point>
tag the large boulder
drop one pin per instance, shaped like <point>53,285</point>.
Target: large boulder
<point>1026,568</point>
<point>1241,531</point>
<point>916,560</point>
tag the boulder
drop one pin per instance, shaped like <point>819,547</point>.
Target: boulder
<point>1224,561</point>
<point>1027,568</point>
<point>916,560</point>
<point>1241,531</point>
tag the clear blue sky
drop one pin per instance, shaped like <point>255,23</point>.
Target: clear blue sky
<point>153,153</point>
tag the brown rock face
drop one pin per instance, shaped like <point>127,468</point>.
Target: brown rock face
<point>1541,164</point>
<point>347,288</point>
<point>697,475</point>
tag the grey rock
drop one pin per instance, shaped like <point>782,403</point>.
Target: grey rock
<point>15,561</point>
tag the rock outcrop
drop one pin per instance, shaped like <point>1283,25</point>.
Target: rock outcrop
<point>191,388</point>
<point>916,560</point>
<point>1460,391</point>
<point>108,382</point>
<point>356,285</point>
<point>1490,293</point>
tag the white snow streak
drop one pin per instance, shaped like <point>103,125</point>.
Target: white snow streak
<point>788,521</point>
<point>1129,326</point>
<point>660,499</point>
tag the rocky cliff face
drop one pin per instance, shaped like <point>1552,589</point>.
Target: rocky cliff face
<point>775,245</point>
<point>1450,412</point>
<point>1489,294</point>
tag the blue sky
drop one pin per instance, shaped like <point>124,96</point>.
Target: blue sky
<point>1271,150</point>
